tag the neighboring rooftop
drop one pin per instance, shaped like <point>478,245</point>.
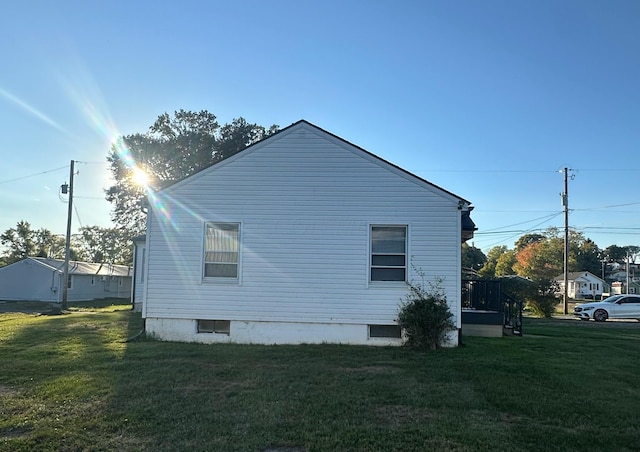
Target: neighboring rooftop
<point>85,268</point>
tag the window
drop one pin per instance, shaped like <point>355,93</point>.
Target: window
<point>388,253</point>
<point>93,280</point>
<point>120,281</point>
<point>221,250</point>
<point>385,331</point>
<point>69,281</point>
<point>214,326</point>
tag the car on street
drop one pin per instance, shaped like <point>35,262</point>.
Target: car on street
<point>624,306</point>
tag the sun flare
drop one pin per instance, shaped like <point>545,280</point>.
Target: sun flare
<point>140,177</point>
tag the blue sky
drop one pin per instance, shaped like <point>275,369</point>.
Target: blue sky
<point>488,99</point>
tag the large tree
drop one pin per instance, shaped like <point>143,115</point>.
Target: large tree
<point>23,241</point>
<point>173,148</point>
<point>615,253</point>
<point>527,240</point>
<point>472,258</point>
<point>543,257</point>
<point>505,263</point>
<point>541,260</point>
<point>585,253</point>
<point>97,244</point>
<point>488,270</point>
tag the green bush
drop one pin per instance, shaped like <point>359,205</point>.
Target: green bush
<point>425,317</point>
<point>539,295</point>
<point>542,306</point>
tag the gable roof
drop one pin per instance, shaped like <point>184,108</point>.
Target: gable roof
<point>577,275</point>
<point>303,124</point>
<point>84,268</point>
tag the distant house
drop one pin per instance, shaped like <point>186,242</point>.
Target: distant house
<point>41,279</point>
<point>583,285</point>
<point>620,287</point>
<point>300,238</point>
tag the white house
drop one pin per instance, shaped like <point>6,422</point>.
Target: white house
<point>41,279</point>
<point>300,238</point>
<point>583,285</point>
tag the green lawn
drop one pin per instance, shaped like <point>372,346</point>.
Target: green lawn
<point>72,382</point>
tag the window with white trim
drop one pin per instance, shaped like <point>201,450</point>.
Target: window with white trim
<point>388,253</point>
<point>221,250</point>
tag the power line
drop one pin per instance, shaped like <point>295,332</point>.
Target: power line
<point>532,229</point>
<point>600,170</point>
<point>75,208</point>
<point>92,163</point>
<point>554,214</point>
<point>484,171</point>
<point>33,175</point>
<point>608,207</point>
<point>610,170</point>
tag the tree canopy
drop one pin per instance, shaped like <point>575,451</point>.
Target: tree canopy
<point>472,258</point>
<point>93,244</point>
<point>23,241</point>
<point>97,244</point>
<point>172,149</point>
<point>540,256</point>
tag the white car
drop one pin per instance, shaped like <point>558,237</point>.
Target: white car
<point>615,307</point>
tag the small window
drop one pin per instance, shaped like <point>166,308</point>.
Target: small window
<point>214,326</point>
<point>120,281</point>
<point>392,331</point>
<point>221,250</point>
<point>93,280</point>
<point>388,253</point>
<point>69,281</point>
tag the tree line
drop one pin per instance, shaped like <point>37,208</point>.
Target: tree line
<point>540,256</point>
<point>92,244</point>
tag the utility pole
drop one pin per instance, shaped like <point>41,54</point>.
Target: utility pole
<point>67,245</point>
<point>627,271</point>
<point>565,203</point>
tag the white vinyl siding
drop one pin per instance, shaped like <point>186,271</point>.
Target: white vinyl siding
<point>305,204</point>
<point>221,250</point>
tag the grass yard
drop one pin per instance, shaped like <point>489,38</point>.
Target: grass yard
<point>72,382</point>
